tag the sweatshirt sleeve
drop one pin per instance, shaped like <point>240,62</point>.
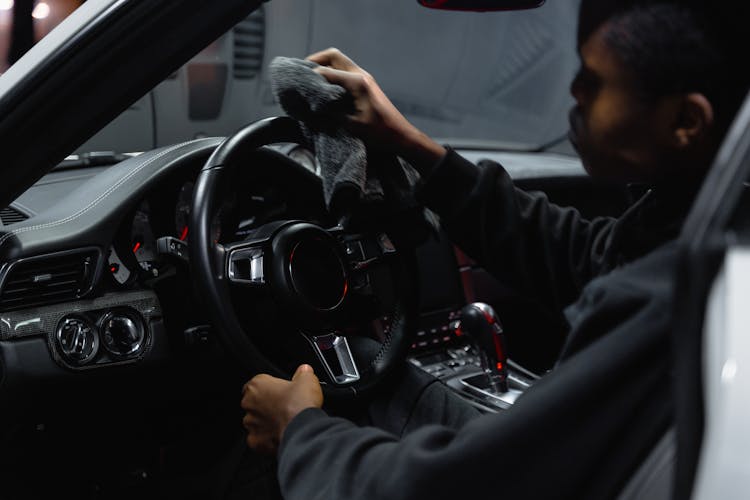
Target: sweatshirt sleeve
<point>541,250</point>
<point>329,458</point>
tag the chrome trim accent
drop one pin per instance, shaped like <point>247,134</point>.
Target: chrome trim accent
<point>348,368</point>
<point>71,353</point>
<point>27,322</point>
<point>502,400</point>
<point>253,254</point>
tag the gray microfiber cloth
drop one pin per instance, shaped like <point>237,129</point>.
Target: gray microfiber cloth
<point>352,184</point>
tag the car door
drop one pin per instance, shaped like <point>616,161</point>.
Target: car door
<point>710,328</point>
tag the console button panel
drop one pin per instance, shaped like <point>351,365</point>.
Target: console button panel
<point>435,331</point>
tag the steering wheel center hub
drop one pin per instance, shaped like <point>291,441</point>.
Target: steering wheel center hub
<point>308,269</point>
<point>317,274</point>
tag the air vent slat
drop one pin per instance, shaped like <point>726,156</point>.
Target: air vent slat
<point>55,271</point>
<point>48,279</point>
<point>65,267</point>
<point>36,279</point>
<point>10,215</point>
<point>69,285</point>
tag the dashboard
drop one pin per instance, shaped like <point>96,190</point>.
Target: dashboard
<point>112,244</point>
<point>98,276</point>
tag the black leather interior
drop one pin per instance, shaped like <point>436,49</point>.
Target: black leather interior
<point>89,215</point>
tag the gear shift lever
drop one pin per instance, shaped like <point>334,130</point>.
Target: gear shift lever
<point>480,323</point>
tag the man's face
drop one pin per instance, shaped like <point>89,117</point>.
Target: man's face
<point>618,135</point>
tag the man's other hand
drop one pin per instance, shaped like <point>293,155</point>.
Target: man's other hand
<point>375,119</point>
<point>270,403</point>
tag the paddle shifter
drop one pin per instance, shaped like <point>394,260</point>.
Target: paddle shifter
<point>480,323</point>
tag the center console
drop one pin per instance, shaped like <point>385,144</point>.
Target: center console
<point>459,350</point>
<point>458,364</point>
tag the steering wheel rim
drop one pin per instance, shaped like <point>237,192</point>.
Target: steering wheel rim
<point>209,267</point>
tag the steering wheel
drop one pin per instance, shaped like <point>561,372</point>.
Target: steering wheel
<point>318,276</point>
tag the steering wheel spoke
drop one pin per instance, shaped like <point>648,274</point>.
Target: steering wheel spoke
<point>245,262</point>
<point>335,355</point>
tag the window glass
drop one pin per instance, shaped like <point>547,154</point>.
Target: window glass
<point>6,19</point>
<point>25,22</point>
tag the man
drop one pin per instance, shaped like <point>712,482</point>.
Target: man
<point>657,89</point>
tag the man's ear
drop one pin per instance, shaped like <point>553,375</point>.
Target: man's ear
<point>695,120</point>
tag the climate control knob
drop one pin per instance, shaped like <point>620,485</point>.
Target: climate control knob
<point>77,340</point>
<point>123,333</point>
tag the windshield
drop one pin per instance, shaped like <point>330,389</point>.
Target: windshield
<point>465,78</point>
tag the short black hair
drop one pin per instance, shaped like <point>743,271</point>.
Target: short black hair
<point>678,46</point>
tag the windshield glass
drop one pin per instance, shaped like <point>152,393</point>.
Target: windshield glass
<point>466,78</point>
<point>485,76</point>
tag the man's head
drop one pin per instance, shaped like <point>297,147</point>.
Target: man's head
<point>659,84</point>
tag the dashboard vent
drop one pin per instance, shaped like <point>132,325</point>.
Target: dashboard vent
<point>47,279</point>
<point>10,215</point>
<point>249,41</point>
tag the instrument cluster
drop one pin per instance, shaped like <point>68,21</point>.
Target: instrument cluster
<point>140,252</point>
<point>153,240</point>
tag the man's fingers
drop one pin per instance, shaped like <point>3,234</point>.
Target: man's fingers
<point>250,403</point>
<point>248,421</point>
<point>356,83</point>
<point>334,58</point>
<point>252,389</point>
<point>302,372</point>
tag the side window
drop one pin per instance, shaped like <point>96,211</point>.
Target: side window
<point>25,22</point>
<point>6,16</point>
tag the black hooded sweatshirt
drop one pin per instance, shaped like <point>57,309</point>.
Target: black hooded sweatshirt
<point>582,429</point>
